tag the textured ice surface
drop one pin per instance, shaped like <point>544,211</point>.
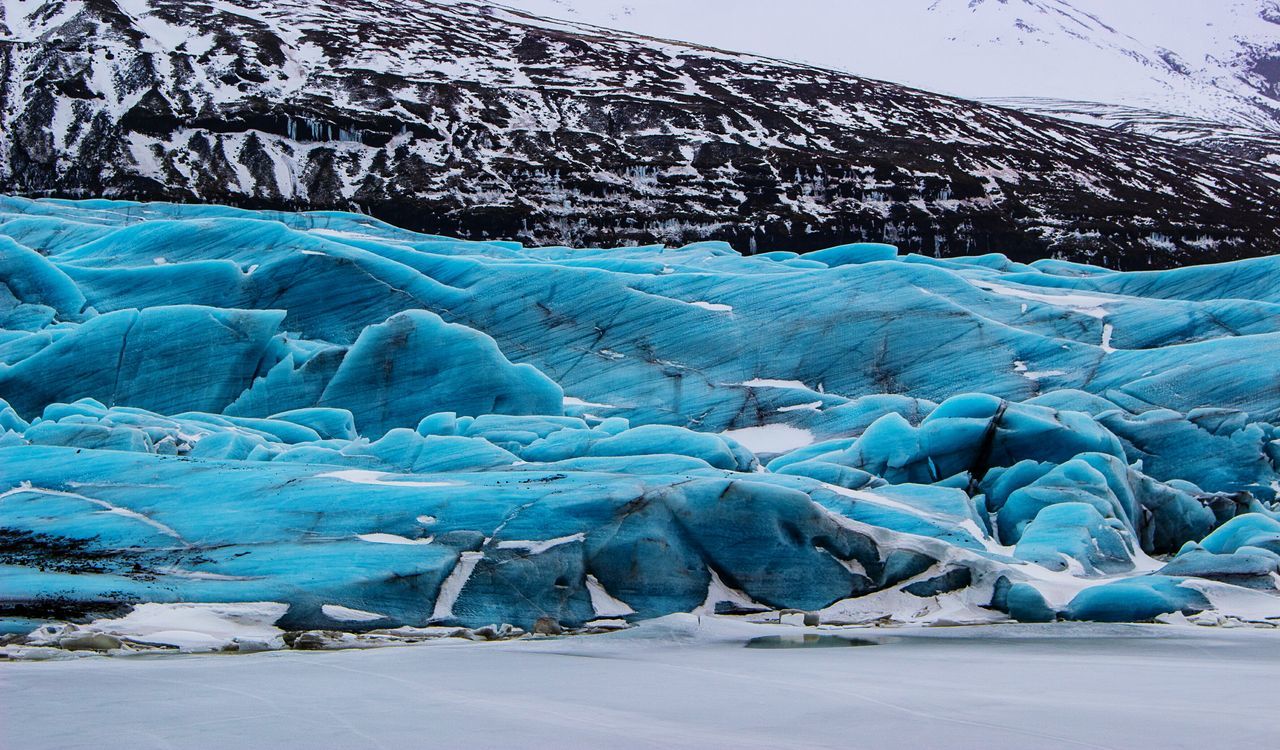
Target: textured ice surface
<point>368,427</point>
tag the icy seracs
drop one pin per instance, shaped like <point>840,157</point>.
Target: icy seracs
<point>367,428</point>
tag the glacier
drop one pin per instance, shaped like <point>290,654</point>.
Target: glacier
<point>373,428</point>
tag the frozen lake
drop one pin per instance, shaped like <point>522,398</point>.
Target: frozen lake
<point>676,684</point>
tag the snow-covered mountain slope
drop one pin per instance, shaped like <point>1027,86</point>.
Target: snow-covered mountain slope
<point>1211,67</point>
<point>473,120</point>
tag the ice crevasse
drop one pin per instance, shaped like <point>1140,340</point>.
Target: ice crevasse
<point>372,427</point>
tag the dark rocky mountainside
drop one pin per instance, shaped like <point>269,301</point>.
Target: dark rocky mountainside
<point>478,121</point>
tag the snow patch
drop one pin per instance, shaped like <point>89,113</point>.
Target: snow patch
<point>571,401</point>
<point>1107,330</point>
<point>346,614</point>
<point>772,383</point>
<point>604,603</point>
<point>771,438</point>
<point>810,406</point>
<point>197,627</point>
<point>1084,304</point>
<point>538,547</point>
<point>380,538</point>
<point>452,587</point>
<point>365,476</point>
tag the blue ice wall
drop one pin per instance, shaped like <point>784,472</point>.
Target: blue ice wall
<point>211,404</point>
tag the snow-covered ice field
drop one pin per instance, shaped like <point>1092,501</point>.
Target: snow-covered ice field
<point>674,683</point>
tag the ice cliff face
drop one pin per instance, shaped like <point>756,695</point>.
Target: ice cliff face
<point>481,122</point>
<point>206,404</point>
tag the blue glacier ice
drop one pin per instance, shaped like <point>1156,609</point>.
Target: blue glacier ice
<point>209,404</point>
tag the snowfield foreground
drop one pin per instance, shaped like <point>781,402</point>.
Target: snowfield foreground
<point>674,683</point>
<point>234,430</point>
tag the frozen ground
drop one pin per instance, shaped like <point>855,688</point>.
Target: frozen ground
<point>674,684</point>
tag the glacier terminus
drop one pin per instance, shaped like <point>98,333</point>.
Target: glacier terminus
<point>285,423</point>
